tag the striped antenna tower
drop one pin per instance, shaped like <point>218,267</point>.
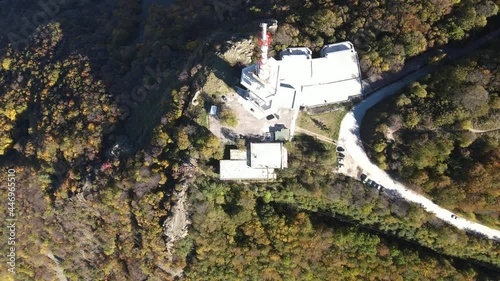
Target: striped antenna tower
<point>264,42</point>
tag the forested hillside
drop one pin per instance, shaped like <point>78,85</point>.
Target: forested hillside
<point>237,236</point>
<point>385,32</point>
<point>96,121</point>
<point>53,109</point>
<point>441,135</point>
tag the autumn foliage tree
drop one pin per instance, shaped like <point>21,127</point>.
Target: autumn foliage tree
<point>442,144</point>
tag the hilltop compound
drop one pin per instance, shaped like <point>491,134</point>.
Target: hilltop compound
<point>298,80</point>
<point>275,92</point>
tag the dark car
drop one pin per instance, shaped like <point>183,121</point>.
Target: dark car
<point>341,154</point>
<point>340,149</point>
<point>374,184</point>
<point>364,178</point>
<point>270,117</point>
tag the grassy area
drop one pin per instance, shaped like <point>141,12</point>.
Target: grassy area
<point>202,118</point>
<point>325,124</point>
<point>222,76</point>
<point>216,86</point>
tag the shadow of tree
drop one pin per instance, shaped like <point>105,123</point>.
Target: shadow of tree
<point>319,124</point>
<point>309,145</point>
<point>229,134</point>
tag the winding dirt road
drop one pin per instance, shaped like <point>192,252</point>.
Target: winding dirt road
<point>312,134</point>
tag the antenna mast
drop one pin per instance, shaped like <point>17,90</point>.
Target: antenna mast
<point>264,42</point>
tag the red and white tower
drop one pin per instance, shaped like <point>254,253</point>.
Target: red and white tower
<point>264,42</point>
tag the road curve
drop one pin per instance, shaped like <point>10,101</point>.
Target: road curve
<point>357,162</point>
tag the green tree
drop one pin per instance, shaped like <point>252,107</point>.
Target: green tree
<point>228,117</point>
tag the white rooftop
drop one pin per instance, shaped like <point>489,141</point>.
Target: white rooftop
<point>300,80</point>
<point>268,155</point>
<point>336,47</point>
<point>264,158</point>
<point>265,88</point>
<point>329,93</point>
<point>337,66</point>
<point>285,97</point>
<point>296,53</point>
<point>239,170</point>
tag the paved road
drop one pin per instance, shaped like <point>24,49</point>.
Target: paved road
<point>358,161</point>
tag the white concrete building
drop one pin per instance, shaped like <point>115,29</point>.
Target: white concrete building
<point>300,80</point>
<point>257,164</point>
<point>268,155</point>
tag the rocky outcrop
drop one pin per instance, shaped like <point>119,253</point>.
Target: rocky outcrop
<point>238,51</point>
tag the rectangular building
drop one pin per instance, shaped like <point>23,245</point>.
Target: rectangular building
<point>259,164</point>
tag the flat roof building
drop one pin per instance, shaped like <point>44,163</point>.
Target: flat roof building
<point>300,80</point>
<point>268,155</point>
<point>259,164</point>
<point>296,53</point>
<point>239,170</point>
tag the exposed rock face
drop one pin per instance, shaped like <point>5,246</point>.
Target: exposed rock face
<point>176,226</point>
<point>238,51</point>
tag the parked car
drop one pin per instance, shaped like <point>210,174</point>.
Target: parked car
<point>340,149</point>
<point>364,178</point>
<point>270,117</point>
<point>224,98</point>
<point>340,165</point>
<point>454,217</point>
<point>340,154</point>
<point>380,188</point>
<point>373,184</point>
<point>340,160</point>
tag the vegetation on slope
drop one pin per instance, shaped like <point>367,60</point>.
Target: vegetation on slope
<point>238,236</point>
<point>325,124</point>
<point>68,101</point>
<point>425,136</point>
<point>385,32</point>
<point>310,184</point>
